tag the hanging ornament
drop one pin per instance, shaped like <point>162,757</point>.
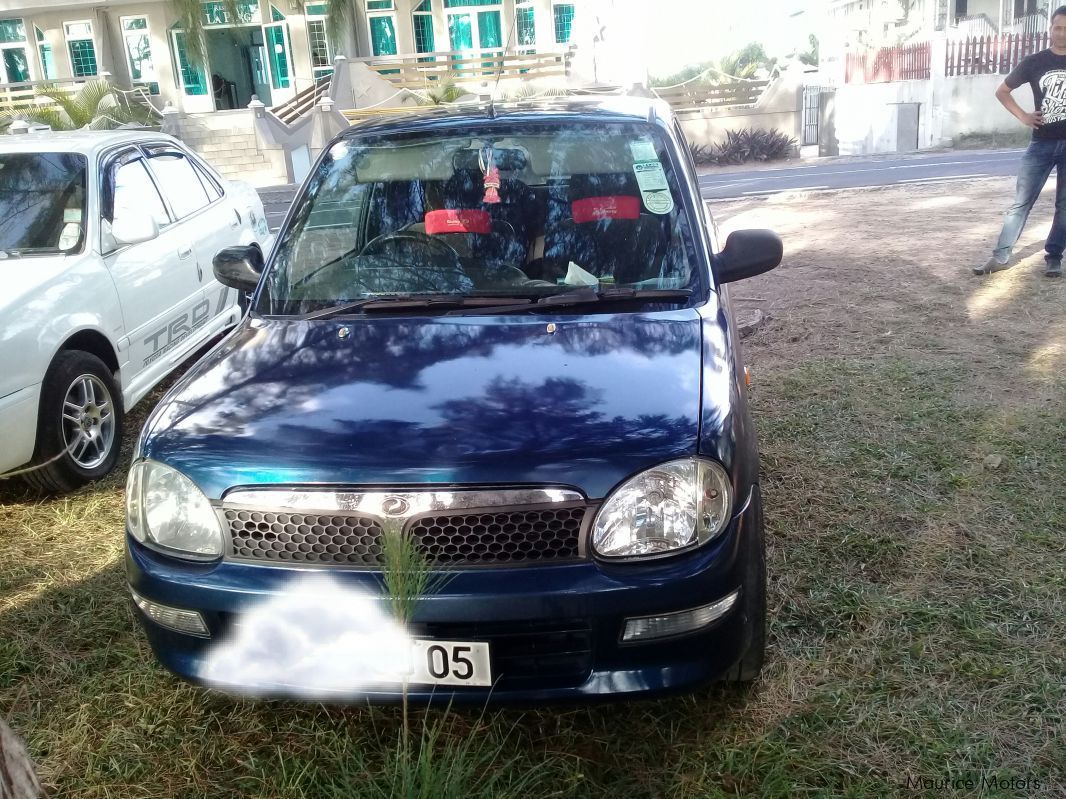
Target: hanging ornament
<point>492,175</point>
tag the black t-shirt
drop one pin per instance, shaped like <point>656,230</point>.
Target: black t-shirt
<point>1046,73</point>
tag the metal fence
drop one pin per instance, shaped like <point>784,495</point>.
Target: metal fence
<point>811,99</point>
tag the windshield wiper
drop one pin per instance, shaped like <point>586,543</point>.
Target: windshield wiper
<point>402,302</point>
<point>590,296</point>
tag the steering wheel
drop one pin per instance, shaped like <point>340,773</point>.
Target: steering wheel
<point>378,243</point>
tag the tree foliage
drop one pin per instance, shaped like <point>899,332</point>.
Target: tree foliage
<point>96,106</point>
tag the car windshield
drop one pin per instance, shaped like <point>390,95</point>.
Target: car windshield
<point>42,202</point>
<point>510,212</point>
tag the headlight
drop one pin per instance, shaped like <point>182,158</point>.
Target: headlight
<point>671,507</point>
<point>165,509</point>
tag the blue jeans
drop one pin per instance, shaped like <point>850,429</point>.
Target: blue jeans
<point>1040,158</point>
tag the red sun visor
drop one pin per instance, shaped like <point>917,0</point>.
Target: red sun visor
<point>460,220</point>
<point>593,209</point>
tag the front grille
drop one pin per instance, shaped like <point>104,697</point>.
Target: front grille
<point>469,538</point>
<point>305,538</point>
<point>508,537</point>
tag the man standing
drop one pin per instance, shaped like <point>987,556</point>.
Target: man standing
<point>1045,72</point>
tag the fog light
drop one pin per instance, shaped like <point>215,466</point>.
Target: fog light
<point>684,621</point>
<point>183,621</point>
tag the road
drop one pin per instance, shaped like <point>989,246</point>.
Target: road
<point>859,173</point>
<point>846,174</point>
<point>910,169</point>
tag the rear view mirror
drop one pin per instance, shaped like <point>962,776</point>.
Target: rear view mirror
<point>132,226</point>
<point>748,253</point>
<point>239,267</point>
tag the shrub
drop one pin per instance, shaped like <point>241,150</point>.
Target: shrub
<point>750,144</point>
<point>702,153</point>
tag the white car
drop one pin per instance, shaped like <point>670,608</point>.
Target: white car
<point>106,285</point>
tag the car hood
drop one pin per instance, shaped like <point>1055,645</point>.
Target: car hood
<point>585,402</point>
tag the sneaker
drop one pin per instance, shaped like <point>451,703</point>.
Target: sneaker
<point>992,266</point>
<point>1053,267</point>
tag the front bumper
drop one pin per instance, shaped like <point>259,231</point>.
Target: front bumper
<point>18,426</point>
<point>554,632</point>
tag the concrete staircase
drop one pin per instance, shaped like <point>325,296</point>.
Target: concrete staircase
<point>235,154</point>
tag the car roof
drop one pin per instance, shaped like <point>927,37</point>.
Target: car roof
<point>87,142</point>
<point>601,108</point>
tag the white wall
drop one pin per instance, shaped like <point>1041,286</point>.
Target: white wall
<point>950,107</point>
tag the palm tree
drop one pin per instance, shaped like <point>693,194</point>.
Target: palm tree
<point>440,92</point>
<point>190,15</point>
<point>96,105</point>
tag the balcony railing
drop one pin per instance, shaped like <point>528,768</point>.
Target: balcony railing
<point>425,69</point>
<point>24,95</point>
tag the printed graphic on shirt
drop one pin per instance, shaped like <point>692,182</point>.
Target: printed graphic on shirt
<point>1053,85</point>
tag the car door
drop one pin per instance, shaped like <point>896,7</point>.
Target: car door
<point>200,204</point>
<point>156,280</point>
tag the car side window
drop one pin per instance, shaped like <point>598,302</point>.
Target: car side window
<point>178,179</point>
<point>134,190</point>
<point>213,191</point>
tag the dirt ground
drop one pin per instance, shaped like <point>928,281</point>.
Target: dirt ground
<point>887,272</point>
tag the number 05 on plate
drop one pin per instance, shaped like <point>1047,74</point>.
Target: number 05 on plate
<point>450,663</point>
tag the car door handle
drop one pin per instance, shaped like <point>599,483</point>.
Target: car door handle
<point>184,252</point>
<point>237,219</point>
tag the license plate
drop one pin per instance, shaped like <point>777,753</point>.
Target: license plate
<point>450,663</point>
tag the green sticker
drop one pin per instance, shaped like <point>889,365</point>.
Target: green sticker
<point>654,189</point>
<point>658,202</point>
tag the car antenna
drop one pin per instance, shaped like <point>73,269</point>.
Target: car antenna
<point>499,69</point>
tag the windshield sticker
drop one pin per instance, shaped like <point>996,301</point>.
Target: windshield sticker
<point>654,189</point>
<point>643,150</point>
<point>72,215</point>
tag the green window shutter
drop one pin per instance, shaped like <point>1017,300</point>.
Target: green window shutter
<point>12,30</point>
<point>316,9</point>
<point>279,57</point>
<point>423,33</point>
<point>48,62</point>
<point>83,58</point>
<point>462,3</point>
<point>382,36</point>
<point>527,30</point>
<point>276,15</point>
<point>460,32</point>
<point>18,68</point>
<point>135,24</point>
<point>191,76</point>
<point>426,6</point>
<point>564,22</point>
<point>379,5</point>
<point>489,29</point>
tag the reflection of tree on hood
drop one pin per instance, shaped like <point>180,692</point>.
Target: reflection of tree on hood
<point>282,365</point>
<point>557,415</point>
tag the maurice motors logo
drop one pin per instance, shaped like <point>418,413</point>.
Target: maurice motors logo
<point>975,782</point>
<point>1053,85</point>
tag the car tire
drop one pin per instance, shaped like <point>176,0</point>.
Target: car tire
<point>753,598</point>
<point>79,425</point>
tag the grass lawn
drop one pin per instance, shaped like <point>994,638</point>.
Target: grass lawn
<point>918,590</point>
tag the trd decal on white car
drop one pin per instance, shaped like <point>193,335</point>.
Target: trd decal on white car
<point>182,326</point>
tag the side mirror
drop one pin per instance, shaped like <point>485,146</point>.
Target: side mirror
<point>133,227</point>
<point>239,267</point>
<point>748,253</point>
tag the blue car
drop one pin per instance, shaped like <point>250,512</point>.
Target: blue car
<point>504,333</point>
